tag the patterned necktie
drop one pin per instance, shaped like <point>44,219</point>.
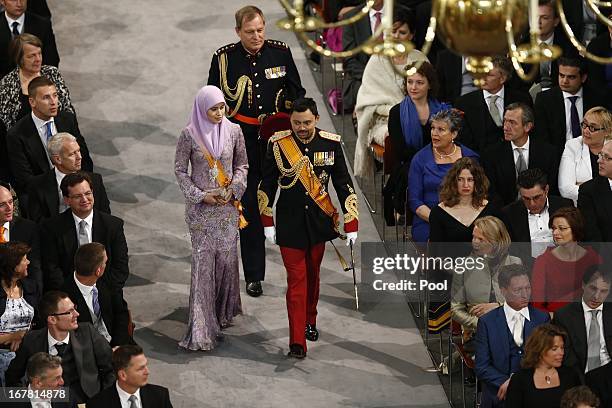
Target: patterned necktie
<point>15,29</point>
<point>133,400</point>
<point>594,359</point>
<point>521,164</point>
<point>83,238</point>
<point>575,120</point>
<point>95,302</point>
<point>49,130</point>
<point>494,110</point>
<point>2,239</point>
<point>61,348</point>
<point>517,329</point>
<point>378,18</point>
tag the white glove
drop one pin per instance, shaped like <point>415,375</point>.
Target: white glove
<point>351,237</point>
<point>270,233</point>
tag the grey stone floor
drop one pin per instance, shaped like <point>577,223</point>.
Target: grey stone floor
<point>133,68</point>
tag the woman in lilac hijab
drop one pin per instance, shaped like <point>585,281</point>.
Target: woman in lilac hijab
<point>215,148</point>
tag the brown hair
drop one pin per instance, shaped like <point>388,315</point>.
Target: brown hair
<point>48,303</point>
<point>574,219</point>
<point>122,356</point>
<point>40,363</point>
<point>580,395</point>
<point>88,258</point>
<point>429,72</point>
<point>16,46</point>
<point>72,179</point>
<point>38,82</point>
<point>11,254</point>
<point>449,194</point>
<point>246,14</point>
<point>540,340</point>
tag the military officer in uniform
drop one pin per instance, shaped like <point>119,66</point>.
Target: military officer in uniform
<point>258,78</point>
<point>301,162</point>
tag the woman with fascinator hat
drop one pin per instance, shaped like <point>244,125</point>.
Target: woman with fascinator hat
<point>215,148</point>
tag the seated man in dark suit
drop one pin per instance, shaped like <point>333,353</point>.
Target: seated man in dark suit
<point>44,372</point>
<point>527,218</point>
<point>86,356</point>
<point>518,152</point>
<point>96,302</point>
<point>502,333</point>
<point>588,322</point>
<point>45,199</point>
<point>595,200</point>
<point>132,387</point>
<point>79,225</point>
<point>27,140</point>
<point>352,36</point>
<point>484,109</point>
<point>453,76</point>
<point>600,382</point>
<point>14,228</point>
<point>560,110</point>
<point>17,21</point>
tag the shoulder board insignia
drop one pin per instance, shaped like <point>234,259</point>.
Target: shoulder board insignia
<point>225,48</point>
<point>277,44</point>
<point>330,136</point>
<point>279,135</point>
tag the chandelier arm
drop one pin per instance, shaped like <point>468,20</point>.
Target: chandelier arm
<point>314,23</point>
<point>577,44</point>
<point>429,39</point>
<point>599,3</point>
<point>533,71</point>
<point>328,53</point>
<point>600,16</point>
<point>292,11</point>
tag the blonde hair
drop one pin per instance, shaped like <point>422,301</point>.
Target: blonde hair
<point>494,230</point>
<point>602,114</point>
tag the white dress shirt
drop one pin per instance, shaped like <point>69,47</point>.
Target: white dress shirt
<point>124,397</point>
<point>568,111</point>
<point>500,101</point>
<point>510,312</point>
<point>39,403</point>
<point>525,148</point>
<point>20,20</point>
<point>52,342</point>
<point>7,234</point>
<point>88,224</point>
<point>86,292</point>
<point>575,168</point>
<point>540,233</point>
<point>41,127</point>
<point>603,350</point>
<point>372,15</point>
<point>59,176</point>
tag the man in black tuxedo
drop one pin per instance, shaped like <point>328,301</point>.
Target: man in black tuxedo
<point>20,230</point>
<point>560,110</point>
<point>453,77</point>
<point>527,218</point>
<point>27,140</point>
<point>132,388</point>
<point>518,152</point>
<point>44,372</point>
<point>588,322</point>
<point>484,109</point>
<point>96,302</point>
<point>79,225</point>
<point>352,36</point>
<point>600,382</point>
<point>86,356</point>
<point>595,199</point>
<point>45,200</point>
<point>17,21</point>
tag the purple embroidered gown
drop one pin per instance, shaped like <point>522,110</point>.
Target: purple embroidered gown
<point>214,298</point>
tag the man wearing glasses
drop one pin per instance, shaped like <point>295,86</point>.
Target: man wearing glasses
<point>595,198</point>
<point>78,225</point>
<point>86,355</point>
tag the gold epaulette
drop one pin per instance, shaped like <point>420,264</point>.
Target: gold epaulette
<point>277,44</point>
<point>279,135</point>
<point>330,136</point>
<point>225,48</point>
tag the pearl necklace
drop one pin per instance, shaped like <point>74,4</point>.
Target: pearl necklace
<point>444,156</point>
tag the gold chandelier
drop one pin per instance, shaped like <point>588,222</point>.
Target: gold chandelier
<point>476,29</point>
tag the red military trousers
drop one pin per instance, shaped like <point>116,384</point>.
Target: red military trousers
<point>303,266</point>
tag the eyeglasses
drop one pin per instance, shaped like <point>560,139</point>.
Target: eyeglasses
<point>604,157</point>
<point>592,128</point>
<point>69,312</point>
<point>87,194</point>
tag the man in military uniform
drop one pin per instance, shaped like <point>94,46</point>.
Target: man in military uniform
<point>301,162</point>
<point>258,78</point>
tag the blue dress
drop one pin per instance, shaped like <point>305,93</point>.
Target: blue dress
<point>424,179</point>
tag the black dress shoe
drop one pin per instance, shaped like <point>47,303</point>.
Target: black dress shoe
<point>254,289</point>
<point>296,351</point>
<point>311,332</point>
